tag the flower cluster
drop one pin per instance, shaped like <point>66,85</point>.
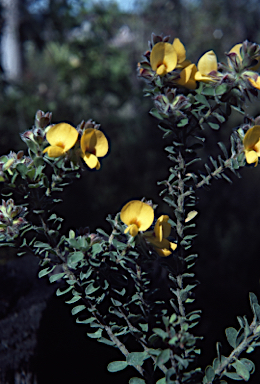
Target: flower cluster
<point>170,59</point>
<point>11,219</point>
<point>62,137</point>
<point>139,216</point>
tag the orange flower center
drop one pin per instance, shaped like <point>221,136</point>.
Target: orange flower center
<point>136,222</point>
<point>60,144</point>
<point>93,152</point>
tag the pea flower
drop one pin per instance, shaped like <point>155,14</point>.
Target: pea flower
<point>252,145</point>
<point>207,64</point>
<point>251,75</point>
<point>61,138</point>
<point>237,48</point>
<point>93,144</point>
<point>137,215</point>
<point>181,54</point>
<point>158,237</point>
<point>163,58</point>
<point>187,77</point>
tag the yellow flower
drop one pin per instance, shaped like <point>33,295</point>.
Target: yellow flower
<point>252,76</point>
<point>252,145</point>
<point>93,144</point>
<point>61,137</point>
<point>236,49</point>
<point>181,54</point>
<point>163,58</point>
<point>206,64</point>
<point>255,83</point>
<point>158,237</point>
<point>137,215</point>
<point>187,77</point>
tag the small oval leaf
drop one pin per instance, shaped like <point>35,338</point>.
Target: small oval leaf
<point>116,366</point>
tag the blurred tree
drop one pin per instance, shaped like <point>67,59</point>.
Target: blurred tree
<point>11,54</point>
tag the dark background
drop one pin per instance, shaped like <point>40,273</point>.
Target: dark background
<point>78,60</point>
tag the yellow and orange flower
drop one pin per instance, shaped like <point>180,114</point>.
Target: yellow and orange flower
<point>93,144</point>
<point>61,137</point>
<point>252,145</point>
<point>137,215</point>
<point>165,57</point>
<point>207,64</point>
<point>158,237</point>
<point>187,77</point>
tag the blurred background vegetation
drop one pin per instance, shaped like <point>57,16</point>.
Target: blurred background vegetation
<point>78,60</point>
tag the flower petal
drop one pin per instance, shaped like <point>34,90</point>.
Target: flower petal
<point>54,151</point>
<point>252,136</point>
<point>173,246</point>
<point>139,213</point>
<point>94,141</point>
<point>163,54</point>
<point>162,228</point>
<point>236,49</point>
<point>132,229</point>
<point>207,63</point>
<point>91,160</point>
<point>255,84</point>
<point>62,135</point>
<point>88,140</point>
<point>251,157</point>
<point>163,252</point>
<point>180,50</point>
<point>102,144</point>
<point>187,77</point>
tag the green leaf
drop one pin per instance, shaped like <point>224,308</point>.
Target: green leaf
<point>77,309</point>
<point>105,341</point>
<point>22,169</point>
<point>136,380</point>
<point>155,113</point>
<point>183,122</point>
<point>46,271</point>
<point>90,289</point>
<point>95,335</point>
<point>56,277</point>
<point>202,99</point>
<point>256,309</point>
<point>160,333</point>
<point>249,364</point>
<point>221,89</point>
<point>40,244</point>
<point>74,299</point>
<point>231,334</point>
<point>96,248</point>
<point>241,370</point>
<point>213,125</point>
<point>75,257</point>
<point>208,91</point>
<point>163,357</point>
<point>59,292</point>
<point>161,381</point>
<point>115,302</point>
<point>223,148</point>
<point>210,373</point>
<point>86,321</point>
<point>136,358</point>
<point>233,375</point>
<point>116,366</point>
